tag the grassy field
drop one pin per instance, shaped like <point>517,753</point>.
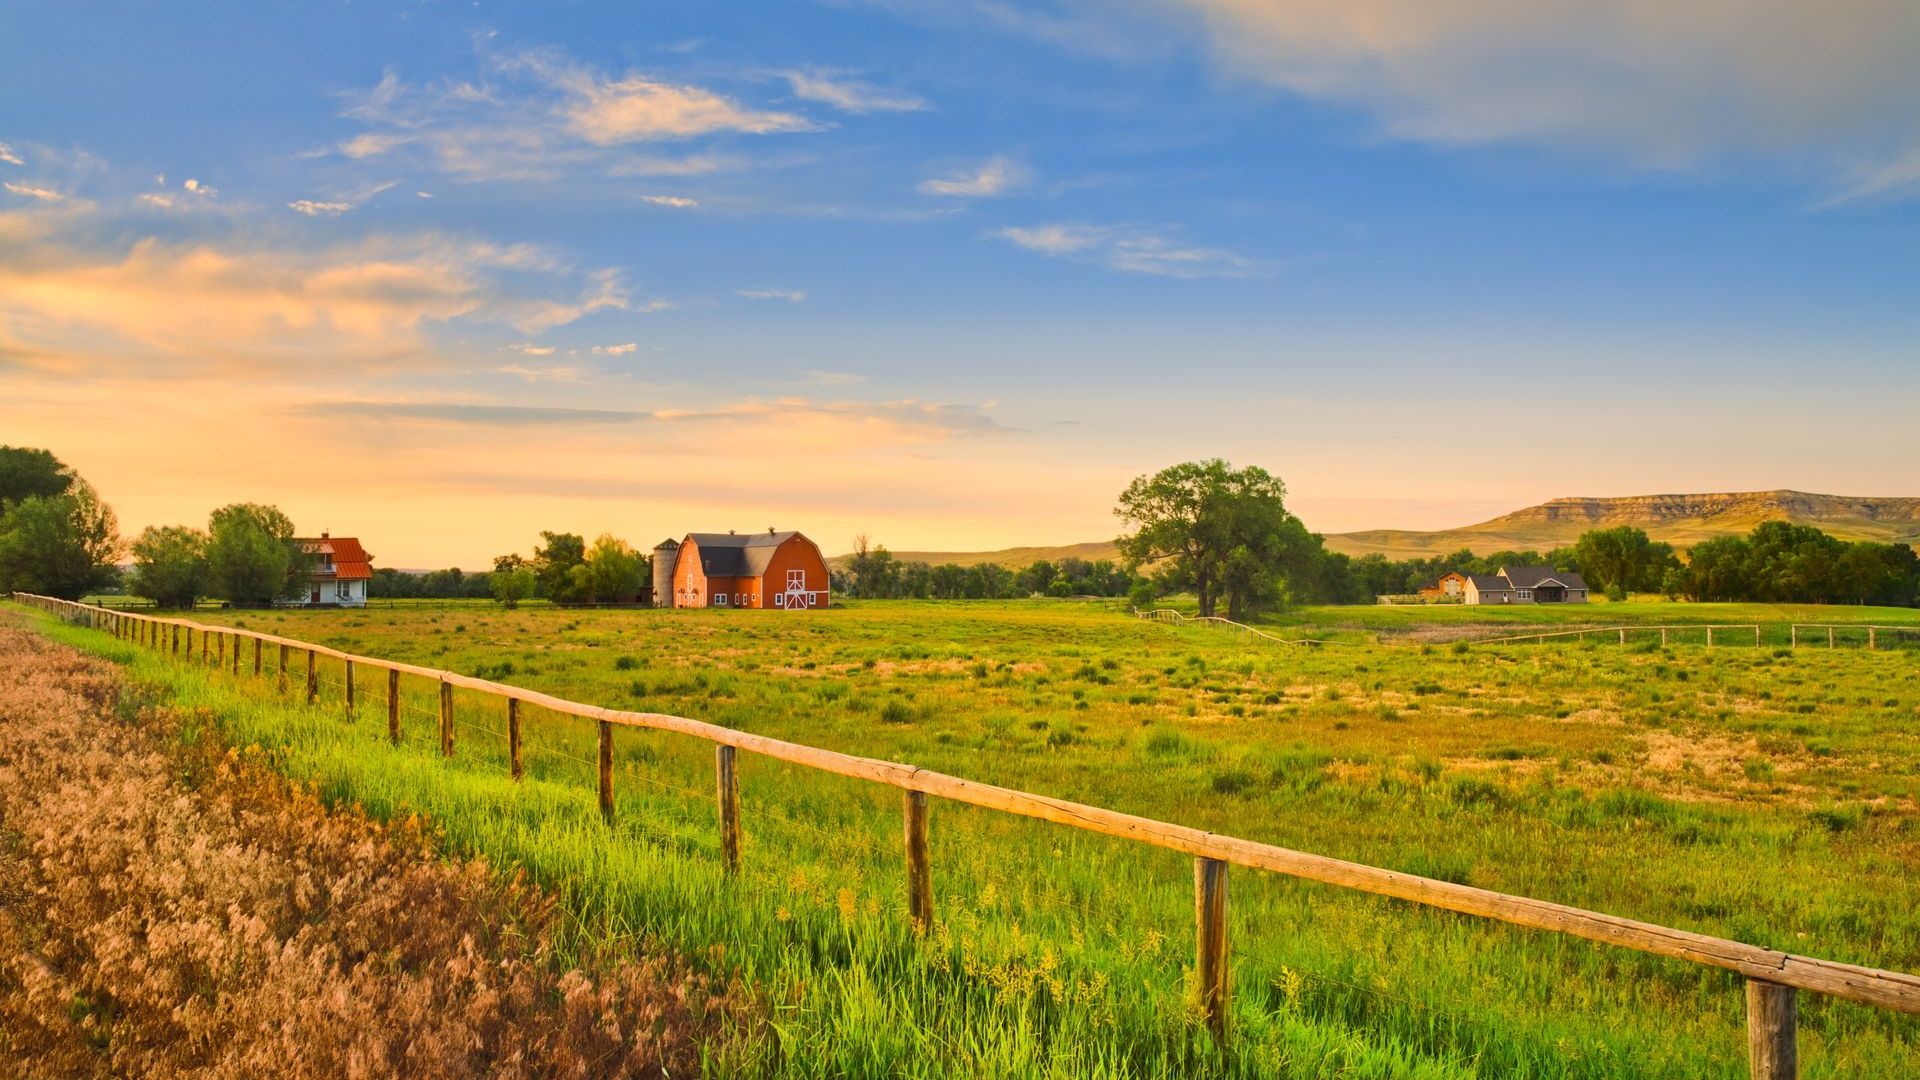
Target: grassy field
<point>1761,794</point>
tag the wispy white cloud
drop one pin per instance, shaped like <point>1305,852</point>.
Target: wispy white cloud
<point>609,112</point>
<point>1130,248</point>
<point>198,188</point>
<point>8,155</point>
<point>850,95</point>
<point>677,201</point>
<point>540,115</point>
<point>528,348</point>
<point>158,199</point>
<point>28,190</point>
<point>558,373</point>
<point>312,208</point>
<point>424,194</point>
<point>622,349</point>
<point>372,144</point>
<point>995,176</point>
<point>792,296</point>
<point>834,378</point>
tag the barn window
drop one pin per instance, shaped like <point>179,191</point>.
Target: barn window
<point>796,580</point>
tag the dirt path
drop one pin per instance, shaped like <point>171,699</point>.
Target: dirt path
<point>236,927</point>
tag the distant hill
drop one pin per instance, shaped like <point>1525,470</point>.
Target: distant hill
<point>1681,520</point>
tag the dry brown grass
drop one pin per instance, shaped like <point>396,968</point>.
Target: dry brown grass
<point>230,925</point>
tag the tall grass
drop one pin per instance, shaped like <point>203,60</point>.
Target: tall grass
<point>1061,953</point>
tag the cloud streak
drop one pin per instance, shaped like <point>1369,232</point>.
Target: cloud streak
<point>905,420</point>
<point>995,176</point>
<point>1130,249</point>
<point>850,95</point>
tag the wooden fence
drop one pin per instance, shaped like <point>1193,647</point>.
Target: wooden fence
<point>1774,978</point>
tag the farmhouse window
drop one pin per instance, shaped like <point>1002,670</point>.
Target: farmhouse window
<point>343,590</point>
<point>1526,594</point>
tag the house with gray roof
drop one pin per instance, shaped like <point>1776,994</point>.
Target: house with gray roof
<point>1526,585</point>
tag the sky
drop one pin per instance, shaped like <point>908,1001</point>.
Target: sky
<point>950,273</point>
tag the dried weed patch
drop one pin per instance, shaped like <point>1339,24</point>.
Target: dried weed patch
<point>229,924</point>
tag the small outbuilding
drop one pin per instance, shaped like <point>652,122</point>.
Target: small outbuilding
<point>780,570</point>
<point>1451,585</point>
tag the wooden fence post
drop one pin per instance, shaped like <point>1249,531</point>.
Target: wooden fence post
<point>919,870</point>
<point>446,718</point>
<point>256,658</point>
<point>283,669</point>
<point>1210,941</point>
<point>513,737</point>
<point>1872,633</point>
<point>236,656</point>
<point>606,769</point>
<point>393,705</point>
<point>1829,637</point>
<point>1796,635</point>
<point>219,650</point>
<point>349,664</point>
<point>1773,1016</point>
<point>1623,635</point>
<point>313,678</point>
<point>203,644</point>
<point>174,639</point>
<point>1709,637</point>
<point>728,792</point>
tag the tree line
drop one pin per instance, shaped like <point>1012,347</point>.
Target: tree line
<point>1225,535</point>
<point>872,572</point>
<point>58,538</point>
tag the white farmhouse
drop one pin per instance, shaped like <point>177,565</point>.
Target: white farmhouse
<point>341,571</point>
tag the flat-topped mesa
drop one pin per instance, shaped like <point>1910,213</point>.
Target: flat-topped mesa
<point>1736,506</point>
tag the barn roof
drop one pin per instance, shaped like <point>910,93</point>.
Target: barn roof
<point>1488,583</point>
<point>737,554</point>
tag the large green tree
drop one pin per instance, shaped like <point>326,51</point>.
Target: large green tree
<point>170,565</point>
<point>1622,559</point>
<point>62,545</point>
<point>252,559</point>
<point>612,573</point>
<point>26,472</point>
<point>553,565</point>
<point>1222,532</point>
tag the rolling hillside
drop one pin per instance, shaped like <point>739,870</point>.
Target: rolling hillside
<point>1678,519</point>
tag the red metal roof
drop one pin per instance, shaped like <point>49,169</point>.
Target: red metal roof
<point>350,561</point>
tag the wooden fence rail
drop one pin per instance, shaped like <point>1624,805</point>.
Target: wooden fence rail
<point>1773,976</point>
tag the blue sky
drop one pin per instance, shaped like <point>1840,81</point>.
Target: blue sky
<point>950,272</point>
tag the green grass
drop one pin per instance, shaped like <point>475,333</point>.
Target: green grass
<point>1738,792</point>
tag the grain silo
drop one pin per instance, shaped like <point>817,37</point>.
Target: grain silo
<point>664,555</point>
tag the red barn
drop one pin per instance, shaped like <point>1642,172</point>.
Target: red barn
<point>783,570</point>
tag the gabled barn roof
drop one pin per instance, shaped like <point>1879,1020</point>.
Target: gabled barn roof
<point>1488,583</point>
<point>737,554</point>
